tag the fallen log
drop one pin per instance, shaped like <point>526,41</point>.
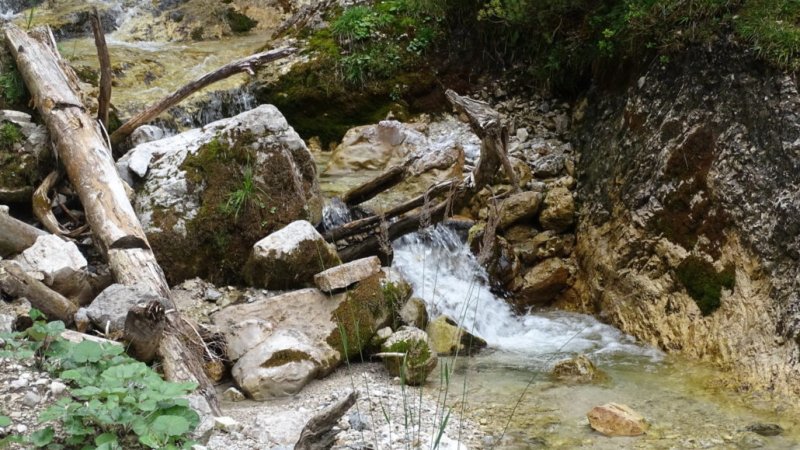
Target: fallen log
<point>388,179</point>
<point>18,284</point>
<point>318,434</point>
<point>15,235</point>
<point>90,168</point>
<point>369,223</point>
<point>242,65</point>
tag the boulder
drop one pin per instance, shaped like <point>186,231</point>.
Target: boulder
<point>614,419</point>
<point>447,338</point>
<point>418,360</point>
<point>578,370</point>
<point>24,156</point>
<point>208,194</point>
<point>280,365</point>
<point>347,274</point>
<point>547,244</point>
<point>414,313</point>
<point>56,262</point>
<point>519,233</point>
<point>542,283</point>
<point>558,213</point>
<point>549,165</point>
<point>518,207</point>
<point>109,309</point>
<point>290,257</point>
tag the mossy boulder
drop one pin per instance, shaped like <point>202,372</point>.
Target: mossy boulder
<point>418,357</point>
<point>373,304</point>
<point>447,338</point>
<point>207,195</point>
<point>290,257</point>
<point>24,156</point>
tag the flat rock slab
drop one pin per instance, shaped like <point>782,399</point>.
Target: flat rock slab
<point>614,419</point>
<point>347,274</point>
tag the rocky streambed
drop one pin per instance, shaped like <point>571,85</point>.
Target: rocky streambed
<point>463,334</point>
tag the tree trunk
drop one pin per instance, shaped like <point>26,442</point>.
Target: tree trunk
<point>16,283</point>
<point>15,236</point>
<point>90,168</point>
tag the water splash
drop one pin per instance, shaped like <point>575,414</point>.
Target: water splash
<point>335,214</point>
<point>443,272</point>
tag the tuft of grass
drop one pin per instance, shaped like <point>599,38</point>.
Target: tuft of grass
<point>10,134</point>
<point>245,194</point>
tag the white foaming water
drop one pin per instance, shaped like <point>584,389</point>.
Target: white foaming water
<point>443,272</point>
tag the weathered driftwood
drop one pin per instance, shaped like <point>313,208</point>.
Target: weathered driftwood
<point>43,211</point>
<point>104,96</point>
<point>15,235</point>
<point>404,225</point>
<point>90,168</point>
<point>77,337</point>
<point>247,64</point>
<point>493,132</point>
<point>144,328</point>
<point>369,223</point>
<point>318,434</point>
<point>16,283</point>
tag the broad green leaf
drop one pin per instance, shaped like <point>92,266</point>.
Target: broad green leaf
<point>106,439</point>
<point>42,437</point>
<point>87,351</point>
<point>4,421</point>
<point>170,425</point>
<point>150,441</point>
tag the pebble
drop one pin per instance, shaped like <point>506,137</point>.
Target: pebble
<point>22,428</point>
<point>357,421</point>
<point>57,387</point>
<point>31,399</point>
<point>227,424</point>
<point>233,395</point>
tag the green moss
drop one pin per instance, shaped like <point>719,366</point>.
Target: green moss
<point>289,273</point>
<point>239,22</point>
<point>18,169</point>
<point>282,357</point>
<point>88,74</point>
<point>218,241</point>
<point>10,134</point>
<point>367,308</point>
<point>703,283</point>
<point>12,89</point>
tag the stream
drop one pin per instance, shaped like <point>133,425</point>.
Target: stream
<point>675,395</point>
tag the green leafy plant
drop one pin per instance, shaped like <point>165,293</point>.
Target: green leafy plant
<point>114,401</point>
<point>10,134</point>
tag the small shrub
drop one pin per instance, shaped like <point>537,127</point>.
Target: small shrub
<point>114,401</point>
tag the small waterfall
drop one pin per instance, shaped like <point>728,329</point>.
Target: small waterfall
<point>444,273</point>
<point>335,214</point>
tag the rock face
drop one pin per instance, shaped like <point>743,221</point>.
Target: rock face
<point>614,419</point>
<point>290,257</point>
<point>447,338</point>
<point>690,212</point>
<point>419,361</point>
<point>340,277</point>
<point>207,195</point>
<point>542,283</point>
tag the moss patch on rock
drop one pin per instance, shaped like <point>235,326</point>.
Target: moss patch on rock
<point>18,169</point>
<point>282,357</point>
<point>291,271</point>
<point>239,22</point>
<point>703,283</point>
<point>373,304</point>
<point>240,203</point>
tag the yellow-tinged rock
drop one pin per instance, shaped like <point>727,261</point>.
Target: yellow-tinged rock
<point>614,419</point>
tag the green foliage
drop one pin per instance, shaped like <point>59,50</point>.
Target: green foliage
<point>378,40</point>
<point>10,134</point>
<point>239,22</point>
<point>12,88</point>
<point>114,401</point>
<point>703,283</point>
<point>239,198</point>
<point>773,29</point>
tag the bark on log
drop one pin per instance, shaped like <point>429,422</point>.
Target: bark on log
<point>388,179</point>
<point>16,236</point>
<point>16,283</point>
<point>367,224</point>
<point>405,225</point>
<point>104,96</point>
<point>489,126</point>
<point>144,328</point>
<point>90,168</point>
<point>242,65</point>
<point>318,434</point>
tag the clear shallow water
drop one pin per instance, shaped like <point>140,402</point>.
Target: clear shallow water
<point>508,386</point>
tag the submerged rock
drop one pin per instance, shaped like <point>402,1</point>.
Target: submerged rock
<point>614,419</point>
<point>765,429</point>
<point>418,360</point>
<point>447,338</point>
<point>207,195</point>
<point>290,257</point>
<point>578,370</point>
<point>349,273</point>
